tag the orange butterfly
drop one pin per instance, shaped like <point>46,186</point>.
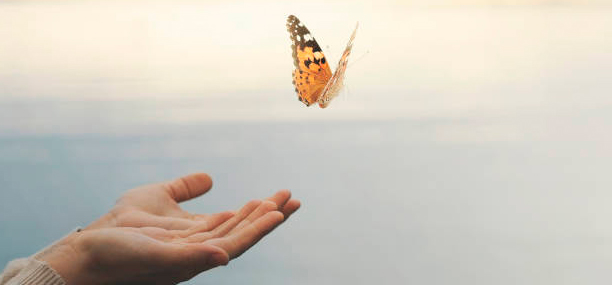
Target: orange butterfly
<point>312,76</point>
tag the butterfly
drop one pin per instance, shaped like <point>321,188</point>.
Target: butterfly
<point>312,77</point>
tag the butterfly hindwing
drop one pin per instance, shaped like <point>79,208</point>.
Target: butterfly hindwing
<point>312,71</point>
<point>307,88</point>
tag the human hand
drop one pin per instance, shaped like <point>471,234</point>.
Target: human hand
<point>156,205</point>
<point>147,238</point>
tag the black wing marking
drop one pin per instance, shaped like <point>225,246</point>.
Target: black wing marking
<point>300,37</point>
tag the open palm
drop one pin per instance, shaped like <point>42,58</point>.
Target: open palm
<point>147,238</point>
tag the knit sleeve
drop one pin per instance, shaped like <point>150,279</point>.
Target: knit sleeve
<point>31,271</point>
<point>12,269</point>
<point>36,272</point>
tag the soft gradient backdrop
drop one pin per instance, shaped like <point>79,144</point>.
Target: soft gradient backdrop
<point>471,144</point>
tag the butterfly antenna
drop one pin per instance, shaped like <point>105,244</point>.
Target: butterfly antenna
<point>359,58</point>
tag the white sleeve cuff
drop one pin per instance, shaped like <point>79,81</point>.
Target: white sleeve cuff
<point>37,273</point>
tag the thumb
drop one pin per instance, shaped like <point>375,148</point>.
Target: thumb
<point>189,187</point>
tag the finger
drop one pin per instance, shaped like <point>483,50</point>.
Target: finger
<point>290,208</point>
<point>209,223</point>
<point>200,217</point>
<point>189,187</point>
<point>227,226</point>
<point>264,208</point>
<point>157,233</point>
<point>239,242</point>
<point>280,198</point>
<point>246,210</point>
<point>203,217</point>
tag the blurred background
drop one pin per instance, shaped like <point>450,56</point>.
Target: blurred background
<point>471,144</point>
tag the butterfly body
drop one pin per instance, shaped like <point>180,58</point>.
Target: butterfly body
<point>312,77</point>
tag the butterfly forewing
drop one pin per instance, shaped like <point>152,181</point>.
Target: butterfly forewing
<point>312,71</point>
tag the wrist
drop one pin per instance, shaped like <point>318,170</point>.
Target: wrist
<point>67,259</point>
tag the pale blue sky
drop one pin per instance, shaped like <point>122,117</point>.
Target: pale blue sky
<point>471,145</point>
